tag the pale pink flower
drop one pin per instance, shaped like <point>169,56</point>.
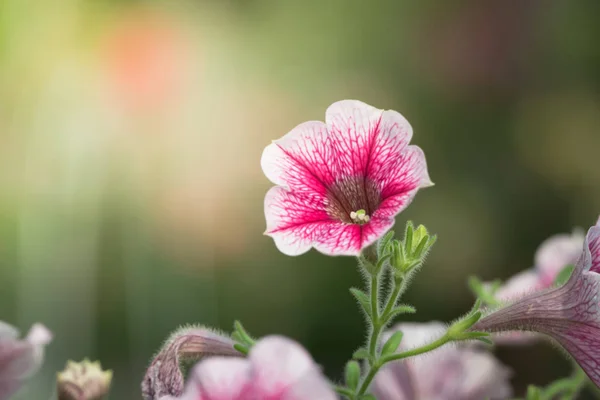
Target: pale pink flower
<point>276,369</point>
<point>20,358</point>
<point>569,314</point>
<point>340,183</point>
<point>463,372</point>
<point>552,256</point>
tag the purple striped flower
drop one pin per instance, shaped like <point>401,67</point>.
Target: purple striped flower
<point>569,314</point>
<point>340,183</point>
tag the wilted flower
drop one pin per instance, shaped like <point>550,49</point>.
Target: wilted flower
<point>83,381</point>
<point>164,376</point>
<point>20,359</point>
<point>340,183</point>
<point>464,372</point>
<point>276,369</point>
<point>569,314</point>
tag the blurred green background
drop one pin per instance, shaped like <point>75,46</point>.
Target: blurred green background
<point>131,197</point>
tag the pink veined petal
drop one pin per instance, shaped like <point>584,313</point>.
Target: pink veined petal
<point>394,382</point>
<point>219,379</point>
<point>278,364</point>
<point>302,160</point>
<point>593,245</point>
<point>354,127</point>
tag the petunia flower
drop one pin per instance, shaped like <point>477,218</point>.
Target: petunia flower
<point>164,376</point>
<point>277,368</point>
<point>552,256</point>
<point>20,358</point>
<point>569,314</point>
<point>341,183</point>
<point>463,372</point>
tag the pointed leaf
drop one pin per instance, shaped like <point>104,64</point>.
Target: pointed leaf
<point>401,309</point>
<point>392,344</point>
<point>382,244</point>
<point>362,299</point>
<point>361,354</point>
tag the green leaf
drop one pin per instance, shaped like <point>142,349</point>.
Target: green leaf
<point>362,299</point>
<point>245,337</point>
<point>564,275</point>
<point>401,309</point>
<point>383,244</point>
<point>533,393</point>
<point>392,344</point>
<point>361,354</point>
<point>352,374</point>
<point>408,237</point>
<point>241,348</point>
<point>368,397</point>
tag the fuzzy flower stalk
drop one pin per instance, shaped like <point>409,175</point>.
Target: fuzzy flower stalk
<point>569,314</point>
<point>341,182</point>
<point>164,377</point>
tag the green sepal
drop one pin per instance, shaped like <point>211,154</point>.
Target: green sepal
<point>368,397</point>
<point>533,393</point>
<point>383,244</point>
<point>392,344</point>
<point>352,375</point>
<point>401,309</point>
<point>241,348</point>
<point>242,334</point>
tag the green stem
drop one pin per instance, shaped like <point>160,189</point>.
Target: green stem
<point>374,336</point>
<point>392,301</point>
<point>395,357</point>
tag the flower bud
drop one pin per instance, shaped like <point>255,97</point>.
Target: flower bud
<point>164,376</point>
<point>83,381</point>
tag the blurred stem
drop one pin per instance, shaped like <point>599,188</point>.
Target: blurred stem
<point>376,331</point>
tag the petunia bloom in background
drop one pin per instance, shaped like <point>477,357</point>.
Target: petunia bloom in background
<point>20,358</point>
<point>463,372</point>
<point>164,376</point>
<point>551,258</point>
<point>569,314</point>
<point>277,368</point>
<point>341,183</point>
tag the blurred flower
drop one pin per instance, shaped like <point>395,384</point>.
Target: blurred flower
<point>464,372</point>
<point>164,376</point>
<point>341,183</point>
<point>551,258</point>
<point>146,56</point>
<point>20,359</point>
<point>276,369</point>
<point>83,381</point>
<point>569,314</point>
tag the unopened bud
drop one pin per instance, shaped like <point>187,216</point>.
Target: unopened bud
<point>164,376</point>
<point>83,381</point>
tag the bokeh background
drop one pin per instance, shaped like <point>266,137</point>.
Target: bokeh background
<point>131,193</point>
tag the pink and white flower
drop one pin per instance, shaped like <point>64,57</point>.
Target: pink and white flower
<point>20,358</point>
<point>276,369</point>
<point>569,314</point>
<point>340,183</point>
<point>463,372</point>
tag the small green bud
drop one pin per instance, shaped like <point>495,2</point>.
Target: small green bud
<point>352,374</point>
<point>564,275</point>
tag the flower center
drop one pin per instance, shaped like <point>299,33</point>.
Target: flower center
<point>359,217</point>
<point>353,200</point>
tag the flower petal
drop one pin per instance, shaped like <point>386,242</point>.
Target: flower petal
<point>297,223</point>
<point>219,379</point>
<point>520,284</point>
<point>556,253</point>
<point>592,244</point>
<point>278,364</point>
<point>301,161</point>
